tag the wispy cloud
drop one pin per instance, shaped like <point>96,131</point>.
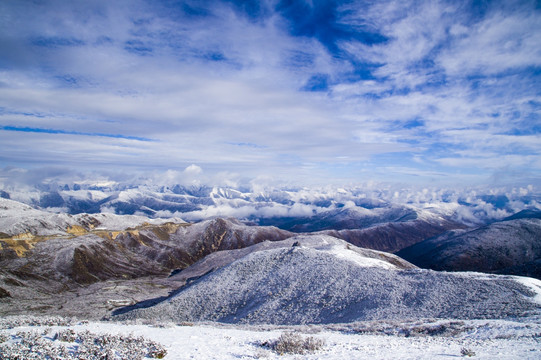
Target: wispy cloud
<point>68,132</point>
<point>299,90</point>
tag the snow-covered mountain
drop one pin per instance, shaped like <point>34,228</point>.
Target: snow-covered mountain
<point>365,222</point>
<point>17,219</point>
<point>508,247</point>
<point>370,219</point>
<point>296,209</point>
<point>320,279</point>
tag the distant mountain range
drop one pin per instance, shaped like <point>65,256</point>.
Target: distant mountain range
<point>288,208</point>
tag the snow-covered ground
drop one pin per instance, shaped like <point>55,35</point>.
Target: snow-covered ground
<point>494,339</point>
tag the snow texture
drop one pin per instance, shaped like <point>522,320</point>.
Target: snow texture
<point>323,283</point>
<point>442,339</point>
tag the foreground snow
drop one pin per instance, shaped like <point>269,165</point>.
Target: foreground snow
<point>493,339</point>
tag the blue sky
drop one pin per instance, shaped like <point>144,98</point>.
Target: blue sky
<point>290,91</point>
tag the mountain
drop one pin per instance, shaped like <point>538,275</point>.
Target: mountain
<point>58,269</point>
<point>294,209</point>
<point>88,264</point>
<point>506,247</point>
<point>365,222</point>
<point>525,214</point>
<point>144,250</point>
<point>387,228</point>
<point>343,218</point>
<point>319,279</point>
<point>394,236</point>
<point>123,200</point>
<point>382,219</point>
<point>22,221</point>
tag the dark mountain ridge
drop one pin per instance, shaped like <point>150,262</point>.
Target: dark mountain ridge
<point>506,247</point>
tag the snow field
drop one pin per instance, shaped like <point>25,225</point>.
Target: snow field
<point>495,339</point>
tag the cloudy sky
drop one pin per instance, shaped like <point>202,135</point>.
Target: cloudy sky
<point>294,91</point>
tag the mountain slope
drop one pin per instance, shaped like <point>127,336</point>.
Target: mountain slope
<point>512,247</point>
<point>55,274</point>
<point>387,228</point>
<point>325,280</point>
<point>365,222</point>
<point>344,218</point>
<point>146,250</point>
<point>393,236</point>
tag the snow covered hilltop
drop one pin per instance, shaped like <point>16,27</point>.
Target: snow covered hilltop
<point>320,279</point>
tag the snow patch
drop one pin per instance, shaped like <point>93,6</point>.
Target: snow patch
<point>343,253</point>
<point>533,284</point>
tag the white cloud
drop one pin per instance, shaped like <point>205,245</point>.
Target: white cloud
<point>224,91</point>
<point>193,170</point>
<point>499,43</point>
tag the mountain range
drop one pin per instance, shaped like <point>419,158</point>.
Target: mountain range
<point>89,264</point>
<point>288,208</point>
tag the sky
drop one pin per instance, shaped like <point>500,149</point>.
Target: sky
<point>297,92</point>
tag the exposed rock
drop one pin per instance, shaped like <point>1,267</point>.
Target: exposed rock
<point>115,303</point>
<point>4,293</point>
<point>76,230</point>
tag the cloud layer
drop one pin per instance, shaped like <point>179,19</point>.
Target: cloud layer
<point>303,92</point>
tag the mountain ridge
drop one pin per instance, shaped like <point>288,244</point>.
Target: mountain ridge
<point>501,247</point>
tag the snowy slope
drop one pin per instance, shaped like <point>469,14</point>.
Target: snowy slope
<point>342,250</point>
<point>335,283</point>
